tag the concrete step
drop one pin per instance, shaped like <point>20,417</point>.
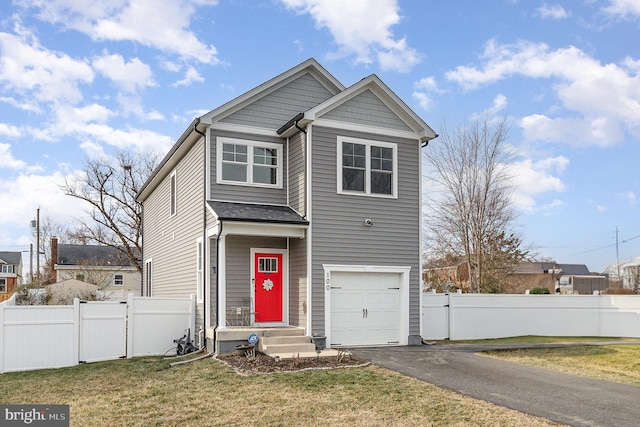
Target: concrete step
<point>266,342</point>
<point>326,353</point>
<point>289,348</point>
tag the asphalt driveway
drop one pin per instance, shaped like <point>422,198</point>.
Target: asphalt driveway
<point>566,399</point>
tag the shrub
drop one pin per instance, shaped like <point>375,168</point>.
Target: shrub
<point>540,291</point>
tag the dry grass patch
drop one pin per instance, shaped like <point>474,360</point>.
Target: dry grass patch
<point>146,392</point>
<point>615,363</point>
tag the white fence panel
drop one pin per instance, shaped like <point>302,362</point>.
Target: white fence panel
<point>155,322</point>
<point>435,317</point>
<point>103,331</point>
<point>38,337</point>
<point>481,316</point>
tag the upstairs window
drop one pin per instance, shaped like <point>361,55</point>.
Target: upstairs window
<point>244,162</point>
<point>3,286</point>
<point>173,194</point>
<point>367,167</point>
<point>5,268</point>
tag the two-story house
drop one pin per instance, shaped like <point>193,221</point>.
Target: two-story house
<point>10,272</point>
<point>294,205</point>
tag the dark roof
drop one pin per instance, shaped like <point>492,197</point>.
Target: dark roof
<point>230,211</point>
<point>10,258</point>
<point>91,255</point>
<point>574,269</point>
<point>528,267</point>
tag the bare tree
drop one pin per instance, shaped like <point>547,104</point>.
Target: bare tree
<point>110,187</point>
<point>468,207</point>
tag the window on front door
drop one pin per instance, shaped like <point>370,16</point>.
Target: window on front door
<point>267,265</point>
<point>367,167</point>
<point>244,162</point>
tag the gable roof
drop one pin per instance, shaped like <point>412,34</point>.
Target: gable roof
<point>11,258</point>
<point>91,255</point>
<point>383,93</point>
<point>309,66</point>
<point>232,211</point>
<point>192,133</point>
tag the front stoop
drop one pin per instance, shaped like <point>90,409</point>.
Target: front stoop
<point>284,343</point>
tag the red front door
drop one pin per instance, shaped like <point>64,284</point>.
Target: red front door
<point>268,287</point>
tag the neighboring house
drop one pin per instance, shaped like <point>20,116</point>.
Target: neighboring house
<point>10,272</point>
<point>103,266</point>
<point>448,278</point>
<point>298,204</point>
<point>558,278</point>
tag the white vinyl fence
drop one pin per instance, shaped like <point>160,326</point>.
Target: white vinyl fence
<point>39,337</point>
<point>481,316</point>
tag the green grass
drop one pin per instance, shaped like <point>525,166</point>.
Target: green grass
<point>534,339</point>
<point>146,392</point>
<point>615,363</point>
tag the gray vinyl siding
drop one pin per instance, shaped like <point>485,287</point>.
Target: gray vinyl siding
<point>281,105</point>
<point>170,241</point>
<point>339,234</point>
<point>238,265</point>
<point>297,173</point>
<point>298,282</point>
<point>245,193</point>
<point>367,109</point>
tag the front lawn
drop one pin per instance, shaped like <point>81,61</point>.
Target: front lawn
<point>615,363</point>
<point>146,392</point>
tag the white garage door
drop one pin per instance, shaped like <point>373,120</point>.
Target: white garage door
<point>365,309</point>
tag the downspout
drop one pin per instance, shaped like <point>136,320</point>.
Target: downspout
<point>304,151</point>
<point>217,282</point>
<point>203,344</point>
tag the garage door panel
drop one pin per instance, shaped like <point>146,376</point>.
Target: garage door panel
<point>365,308</point>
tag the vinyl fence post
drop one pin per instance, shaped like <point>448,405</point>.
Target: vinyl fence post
<point>2,346</point>
<point>76,329</point>
<point>130,325</point>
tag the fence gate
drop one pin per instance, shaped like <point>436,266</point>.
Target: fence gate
<point>103,331</point>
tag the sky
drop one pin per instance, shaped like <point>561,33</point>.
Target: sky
<point>80,80</point>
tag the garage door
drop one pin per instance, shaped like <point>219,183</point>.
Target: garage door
<point>365,309</point>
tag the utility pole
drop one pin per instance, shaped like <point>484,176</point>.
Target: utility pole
<point>618,258</point>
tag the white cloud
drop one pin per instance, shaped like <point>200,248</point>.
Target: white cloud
<point>535,178</point>
<point>602,101</point>
<point>552,12</point>
<point>129,76</point>
<point>601,208</point>
<point>9,130</point>
<point>623,8</point>
<point>362,28</point>
<point>192,75</point>
<point>423,88</point>
<point>499,103</point>
<point>629,196</point>
<point>28,192</point>
<point>36,74</point>
<point>158,24</point>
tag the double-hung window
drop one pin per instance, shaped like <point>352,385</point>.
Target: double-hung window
<point>118,280</point>
<point>367,167</point>
<point>245,162</point>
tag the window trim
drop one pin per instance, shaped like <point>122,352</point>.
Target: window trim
<point>368,143</point>
<point>173,194</point>
<point>250,144</point>
<point>115,282</point>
